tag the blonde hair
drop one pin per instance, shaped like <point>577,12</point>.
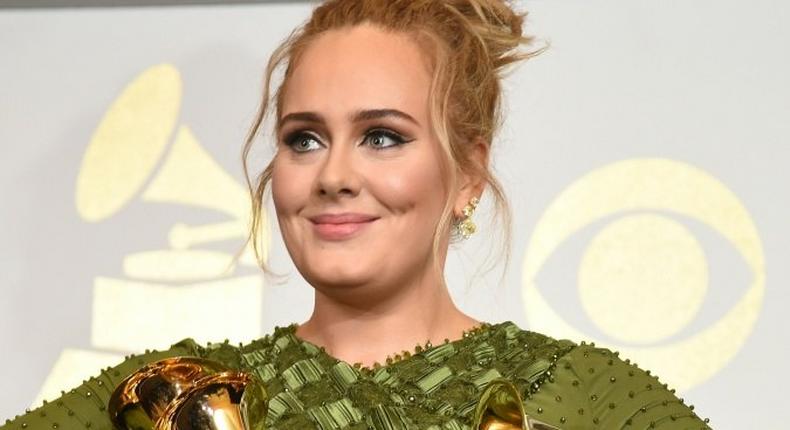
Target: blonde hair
<point>470,43</point>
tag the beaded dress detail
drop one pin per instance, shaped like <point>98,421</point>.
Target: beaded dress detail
<point>419,348</point>
<point>437,387</point>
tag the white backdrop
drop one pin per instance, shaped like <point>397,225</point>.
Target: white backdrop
<point>645,155</point>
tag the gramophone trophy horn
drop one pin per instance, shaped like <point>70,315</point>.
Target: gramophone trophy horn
<point>188,175</point>
<point>500,408</point>
<point>188,393</point>
<point>228,400</point>
<point>140,149</point>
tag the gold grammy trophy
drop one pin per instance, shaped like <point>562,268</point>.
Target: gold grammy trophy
<point>500,408</point>
<point>188,393</point>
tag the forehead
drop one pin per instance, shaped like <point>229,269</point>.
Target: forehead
<point>358,68</point>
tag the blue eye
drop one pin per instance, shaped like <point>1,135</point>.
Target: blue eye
<point>378,139</point>
<point>300,142</point>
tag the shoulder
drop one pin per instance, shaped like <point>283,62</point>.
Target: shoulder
<point>86,405</point>
<point>584,385</point>
<point>613,392</point>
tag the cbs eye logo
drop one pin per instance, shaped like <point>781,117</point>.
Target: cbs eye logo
<point>644,276</point>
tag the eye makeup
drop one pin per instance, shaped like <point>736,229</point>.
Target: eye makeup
<point>296,138</point>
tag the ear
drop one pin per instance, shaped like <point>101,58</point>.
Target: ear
<point>472,183</point>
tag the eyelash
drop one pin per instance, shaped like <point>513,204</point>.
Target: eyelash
<point>291,139</point>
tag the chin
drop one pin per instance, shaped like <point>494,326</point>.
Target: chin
<point>334,282</point>
<point>340,273</point>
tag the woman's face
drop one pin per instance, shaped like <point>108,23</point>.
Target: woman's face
<point>356,181</point>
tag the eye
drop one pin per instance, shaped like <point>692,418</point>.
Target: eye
<point>302,142</point>
<point>382,139</point>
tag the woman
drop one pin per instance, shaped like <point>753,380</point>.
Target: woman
<point>384,122</point>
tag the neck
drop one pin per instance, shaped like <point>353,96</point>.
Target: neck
<point>370,329</point>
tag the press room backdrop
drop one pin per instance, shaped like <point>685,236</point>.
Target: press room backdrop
<point>646,156</point>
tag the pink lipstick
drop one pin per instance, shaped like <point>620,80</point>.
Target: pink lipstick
<point>340,226</point>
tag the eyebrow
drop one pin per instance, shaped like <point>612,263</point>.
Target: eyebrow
<point>358,116</point>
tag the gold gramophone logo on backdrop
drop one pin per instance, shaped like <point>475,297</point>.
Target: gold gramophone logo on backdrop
<point>140,152</point>
<point>644,276</point>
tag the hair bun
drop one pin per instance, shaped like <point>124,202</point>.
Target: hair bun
<point>497,26</point>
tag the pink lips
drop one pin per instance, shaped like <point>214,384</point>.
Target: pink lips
<point>340,226</point>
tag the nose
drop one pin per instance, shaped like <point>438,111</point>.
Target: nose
<point>338,176</point>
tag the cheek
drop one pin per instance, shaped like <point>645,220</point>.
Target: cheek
<point>415,187</point>
<point>286,192</point>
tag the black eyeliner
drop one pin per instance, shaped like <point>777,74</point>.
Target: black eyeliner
<point>397,137</point>
<point>290,138</point>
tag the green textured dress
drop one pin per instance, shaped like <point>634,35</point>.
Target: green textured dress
<point>561,383</point>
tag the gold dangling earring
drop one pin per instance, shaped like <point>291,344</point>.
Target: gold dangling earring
<point>466,227</point>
